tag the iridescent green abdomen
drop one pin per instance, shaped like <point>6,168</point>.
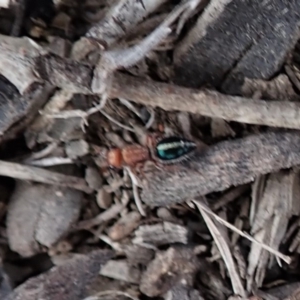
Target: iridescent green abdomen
<point>174,148</point>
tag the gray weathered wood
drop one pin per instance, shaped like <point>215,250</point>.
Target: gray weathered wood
<point>236,39</point>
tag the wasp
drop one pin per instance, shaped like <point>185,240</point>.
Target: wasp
<point>163,150</point>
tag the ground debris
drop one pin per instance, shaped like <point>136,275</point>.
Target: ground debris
<point>90,87</point>
<point>276,205</point>
<point>40,215</point>
<point>242,160</point>
<point>5,284</point>
<point>240,45</point>
<point>121,270</point>
<point>167,269</point>
<point>66,282</point>
<point>181,292</point>
<point>138,255</point>
<point>161,234</point>
<point>124,226</point>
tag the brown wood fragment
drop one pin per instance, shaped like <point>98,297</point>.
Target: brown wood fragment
<point>229,163</point>
<point>279,87</point>
<point>66,282</point>
<point>122,17</point>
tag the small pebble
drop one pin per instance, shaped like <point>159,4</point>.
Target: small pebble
<point>77,149</point>
<point>93,178</point>
<point>104,199</point>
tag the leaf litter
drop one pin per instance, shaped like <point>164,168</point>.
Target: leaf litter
<point>138,233</point>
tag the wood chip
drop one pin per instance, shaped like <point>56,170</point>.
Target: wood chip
<point>161,234</point>
<point>121,270</point>
<point>167,269</point>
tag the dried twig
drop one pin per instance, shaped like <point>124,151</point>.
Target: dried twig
<point>135,190</point>
<point>50,161</point>
<point>207,103</point>
<point>105,216</point>
<point>36,65</point>
<point>18,171</point>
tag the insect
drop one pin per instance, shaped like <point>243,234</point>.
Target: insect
<point>174,149</point>
<point>129,156</point>
<point>160,150</point>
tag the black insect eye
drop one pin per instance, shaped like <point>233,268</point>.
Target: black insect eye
<point>172,148</point>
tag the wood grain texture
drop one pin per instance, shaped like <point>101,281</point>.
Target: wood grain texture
<point>223,165</point>
<point>236,39</point>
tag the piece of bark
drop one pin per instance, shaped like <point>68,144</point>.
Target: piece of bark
<point>40,215</point>
<point>16,111</point>
<point>167,269</point>
<point>161,234</point>
<point>278,203</point>
<point>121,18</point>
<point>279,87</point>
<point>121,270</point>
<point>76,149</point>
<point>281,197</point>
<point>225,164</point>
<point>212,281</point>
<point>138,255</point>
<point>220,128</point>
<point>44,129</point>
<point>235,39</point>
<point>67,282</point>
